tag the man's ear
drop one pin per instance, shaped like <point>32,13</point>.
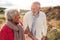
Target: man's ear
<point>27,30</point>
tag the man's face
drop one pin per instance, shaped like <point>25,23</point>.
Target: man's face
<point>35,8</point>
<point>16,18</point>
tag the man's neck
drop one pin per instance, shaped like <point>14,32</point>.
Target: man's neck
<point>37,13</point>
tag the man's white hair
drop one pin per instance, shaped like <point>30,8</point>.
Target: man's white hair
<point>10,13</point>
<point>36,2</point>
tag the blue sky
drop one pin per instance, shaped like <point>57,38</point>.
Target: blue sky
<point>26,4</point>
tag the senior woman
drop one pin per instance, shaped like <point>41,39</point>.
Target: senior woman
<point>11,30</point>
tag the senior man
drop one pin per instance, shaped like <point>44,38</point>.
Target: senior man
<point>34,22</point>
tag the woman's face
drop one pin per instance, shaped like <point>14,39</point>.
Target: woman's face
<point>16,18</point>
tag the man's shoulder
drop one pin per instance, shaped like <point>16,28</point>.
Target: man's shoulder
<point>29,12</point>
<point>42,13</point>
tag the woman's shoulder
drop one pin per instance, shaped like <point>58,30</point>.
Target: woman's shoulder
<point>5,28</point>
<point>6,33</point>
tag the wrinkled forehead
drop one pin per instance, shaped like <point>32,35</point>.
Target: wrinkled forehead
<point>36,4</point>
